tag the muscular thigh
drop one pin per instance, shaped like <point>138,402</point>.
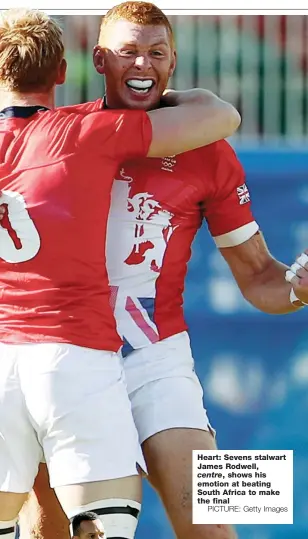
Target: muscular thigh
<point>42,516</point>
<point>167,404</point>
<point>168,456</point>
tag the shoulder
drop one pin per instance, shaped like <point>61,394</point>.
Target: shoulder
<point>77,117</point>
<point>221,149</point>
<point>209,161</point>
<point>82,108</point>
<point>221,159</point>
<point>210,154</point>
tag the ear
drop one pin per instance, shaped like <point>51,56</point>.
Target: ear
<point>98,59</point>
<point>62,72</point>
<point>173,64</point>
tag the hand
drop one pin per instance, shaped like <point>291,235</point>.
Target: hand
<point>170,91</point>
<point>169,98</point>
<point>175,98</point>
<point>297,275</point>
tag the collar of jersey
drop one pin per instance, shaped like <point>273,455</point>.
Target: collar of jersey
<point>21,112</point>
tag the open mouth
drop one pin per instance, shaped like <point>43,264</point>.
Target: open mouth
<point>140,86</point>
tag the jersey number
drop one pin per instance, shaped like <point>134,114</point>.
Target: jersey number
<point>19,241</point>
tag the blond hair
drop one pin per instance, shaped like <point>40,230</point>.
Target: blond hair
<point>31,50</point>
<point>143,13</point>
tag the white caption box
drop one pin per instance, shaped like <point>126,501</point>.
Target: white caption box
<point>243,487</point>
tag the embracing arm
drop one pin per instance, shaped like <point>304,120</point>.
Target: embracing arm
<point>188,120</point>
<point>191,119</point>
<point>260,277</point>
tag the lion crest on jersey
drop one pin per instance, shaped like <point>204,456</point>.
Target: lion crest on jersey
<point>149,241</point>
<point>138,232</point>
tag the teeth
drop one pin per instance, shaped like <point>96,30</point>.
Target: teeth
<point>142,91</point>
<point>140,84</point>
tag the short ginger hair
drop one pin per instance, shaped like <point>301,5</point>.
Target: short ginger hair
<point>143,13</point>
<point>31,50</point>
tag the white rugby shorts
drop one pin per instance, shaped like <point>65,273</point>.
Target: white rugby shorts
<point>164,389</point>
<point>70,405</point>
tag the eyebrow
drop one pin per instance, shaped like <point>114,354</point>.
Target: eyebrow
<point>133,44</point>
<point>159,43</point>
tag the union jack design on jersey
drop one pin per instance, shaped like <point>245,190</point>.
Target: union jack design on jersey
<point>243,194</point>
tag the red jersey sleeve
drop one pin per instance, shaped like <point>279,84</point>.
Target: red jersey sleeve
<point>228,208</point>
<point>116,134</point>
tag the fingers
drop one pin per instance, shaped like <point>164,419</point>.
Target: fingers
<point>2,212</point>
<point>292,278</point>
<point>293,274</point>
<point>168,91</point>
<point>298,270</point>
<point>302,259</point>
<point>297,275</point>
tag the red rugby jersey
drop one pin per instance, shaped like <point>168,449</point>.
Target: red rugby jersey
<point>157,207</point>
<point>56,173</point>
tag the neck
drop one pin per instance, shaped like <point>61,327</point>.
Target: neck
<point>112,102</point>
<point>18,99</point>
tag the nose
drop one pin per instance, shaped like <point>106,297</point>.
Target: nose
<point>142,61</point>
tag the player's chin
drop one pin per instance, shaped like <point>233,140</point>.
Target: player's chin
<point>141,101</point>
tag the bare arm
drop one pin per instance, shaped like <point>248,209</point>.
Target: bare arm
<point>259,276</point>
<point>193,119</point>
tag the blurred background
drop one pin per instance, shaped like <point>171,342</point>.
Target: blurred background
<point>254,367</point>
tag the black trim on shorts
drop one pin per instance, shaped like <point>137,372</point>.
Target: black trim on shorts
<point>7,531</point>
<point>119,510</point>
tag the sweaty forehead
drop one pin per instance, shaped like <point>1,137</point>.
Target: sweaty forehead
<point>119,33</point>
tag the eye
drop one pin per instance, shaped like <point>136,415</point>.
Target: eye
<point>157,53</point>
<point>126,52</point>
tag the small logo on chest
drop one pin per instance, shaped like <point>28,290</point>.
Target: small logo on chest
<point>168,163</point>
